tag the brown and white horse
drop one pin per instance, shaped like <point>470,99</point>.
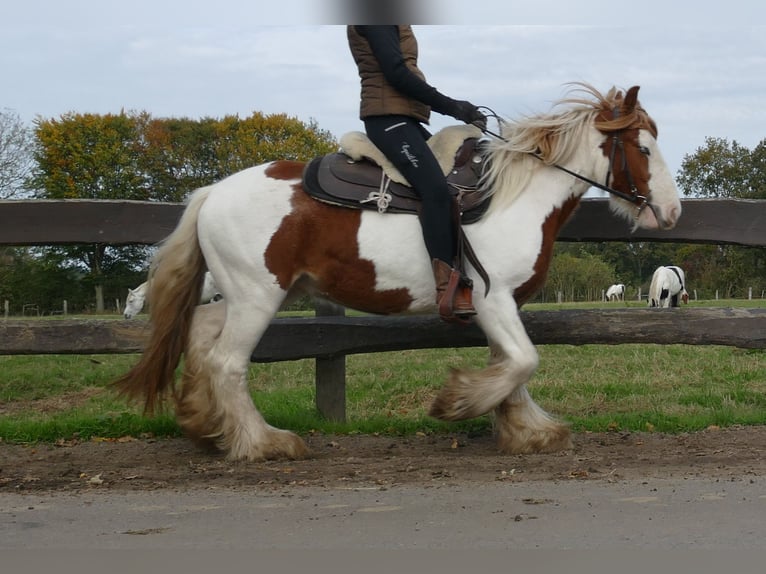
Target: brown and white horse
<point>266,241</point>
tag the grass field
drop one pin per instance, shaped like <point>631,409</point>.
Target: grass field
<point>669,388</point>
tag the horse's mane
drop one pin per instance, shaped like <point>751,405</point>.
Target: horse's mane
<point>552,137</point>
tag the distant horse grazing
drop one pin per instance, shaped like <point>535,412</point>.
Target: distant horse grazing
<point>137,297</point>
<point>616,292</point>
<point>668,283</point>
<point>266,240</point>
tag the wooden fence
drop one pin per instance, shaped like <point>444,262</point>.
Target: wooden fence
<point>329,337</point>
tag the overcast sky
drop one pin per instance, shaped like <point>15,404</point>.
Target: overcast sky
<point>702,71</point>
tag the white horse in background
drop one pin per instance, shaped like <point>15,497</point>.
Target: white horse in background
<point>137,297</point>
<point>668,283</point>
<point>616,292</point>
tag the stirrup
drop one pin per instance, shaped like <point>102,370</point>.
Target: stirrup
<point>447,301</point>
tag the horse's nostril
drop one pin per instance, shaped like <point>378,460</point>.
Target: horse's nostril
<point>670,217</point>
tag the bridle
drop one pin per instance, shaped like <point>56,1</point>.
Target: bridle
<point>634,196</point>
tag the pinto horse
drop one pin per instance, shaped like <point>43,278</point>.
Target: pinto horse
<point>668,284</point>
<point>266,241</point>
<point>616,292</point>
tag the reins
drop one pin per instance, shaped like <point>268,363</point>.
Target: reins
<point>633,197</point>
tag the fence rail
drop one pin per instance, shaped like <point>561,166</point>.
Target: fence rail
<point>57,222</point>
<point>329,338</point>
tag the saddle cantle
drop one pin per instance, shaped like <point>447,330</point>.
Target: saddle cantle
<point>351,179</point>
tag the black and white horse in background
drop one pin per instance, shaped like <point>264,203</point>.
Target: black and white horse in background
<point>668,285</point>
<point>616,292</point>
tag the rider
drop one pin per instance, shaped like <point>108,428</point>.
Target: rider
<point>395,103</point>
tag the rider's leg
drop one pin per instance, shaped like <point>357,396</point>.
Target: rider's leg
<point>404,142</point>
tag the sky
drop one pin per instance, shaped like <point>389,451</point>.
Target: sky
<point>702,70</point>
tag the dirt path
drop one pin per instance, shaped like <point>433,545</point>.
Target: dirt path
<point>362,460</point>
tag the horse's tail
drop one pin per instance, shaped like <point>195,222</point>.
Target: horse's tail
<point>176,277</point>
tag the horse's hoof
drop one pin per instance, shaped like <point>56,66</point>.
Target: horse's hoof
<point>280,444</point>
<point>535,442</point>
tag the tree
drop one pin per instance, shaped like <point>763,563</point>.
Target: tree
<point>724,169</point>
<point>88,156</point>
<point>16,154</point>
<point>181,155</point>
<point>577,277</point>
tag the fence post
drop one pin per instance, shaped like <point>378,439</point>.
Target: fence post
<point>749,293</point>
<point>65,308</point>
<point>331,373</point>
<point>6,308</point>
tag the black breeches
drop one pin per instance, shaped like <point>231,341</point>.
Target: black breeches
<point>403,140</point>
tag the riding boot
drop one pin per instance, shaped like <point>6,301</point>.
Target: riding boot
<point>453,293</point>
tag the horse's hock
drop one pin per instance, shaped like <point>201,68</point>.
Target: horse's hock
<point>329,337</point>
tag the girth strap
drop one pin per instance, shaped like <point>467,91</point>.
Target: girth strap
<point>465,251</point>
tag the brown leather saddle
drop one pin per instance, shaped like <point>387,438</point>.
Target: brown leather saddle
<point>338,179</point>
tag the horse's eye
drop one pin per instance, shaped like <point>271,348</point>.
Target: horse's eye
<point>644,150</point>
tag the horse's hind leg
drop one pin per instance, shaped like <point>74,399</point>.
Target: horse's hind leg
<point>194,406</point>
<point>215,403</point>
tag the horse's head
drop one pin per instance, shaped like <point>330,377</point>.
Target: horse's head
<point>636,168</point>
<point>134,302</point>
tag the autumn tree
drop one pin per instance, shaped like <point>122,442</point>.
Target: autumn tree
<point>89,156</point>
<point>181,154</point>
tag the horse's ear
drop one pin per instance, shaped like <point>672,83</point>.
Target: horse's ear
<point>130,291</point>
<point>631,98</point>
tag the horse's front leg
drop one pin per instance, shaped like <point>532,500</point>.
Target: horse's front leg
<point>521,425</point>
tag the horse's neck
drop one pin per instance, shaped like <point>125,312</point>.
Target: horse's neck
<point>547,190</point>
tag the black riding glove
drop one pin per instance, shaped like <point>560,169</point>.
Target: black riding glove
<point>468,113</point>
